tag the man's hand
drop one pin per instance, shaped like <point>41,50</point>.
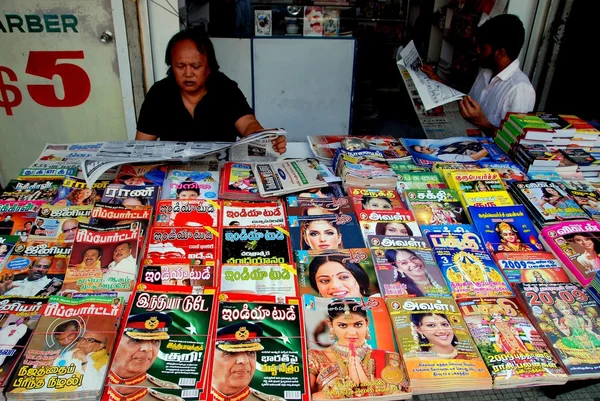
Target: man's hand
<point>428,70</point>
<point>280,144</point>
<point>6,283</point>
<point>471,111</point>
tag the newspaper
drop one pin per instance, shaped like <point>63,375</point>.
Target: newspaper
<point>441,122</point>
<point>288,176</point>
<point>95,158</point>
<point>433,93</point>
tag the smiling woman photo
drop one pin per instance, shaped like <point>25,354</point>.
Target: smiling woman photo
<point>410,271</point>
<point>435,336</point>
<point>332,276</point>
<point>320,235</point>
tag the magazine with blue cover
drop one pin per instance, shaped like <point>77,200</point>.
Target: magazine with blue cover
<point>506,228</point>
<point>425,152</point>
<point>326,232</point>
<point>509,172</point>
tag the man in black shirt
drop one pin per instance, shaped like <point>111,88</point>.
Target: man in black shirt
<point>196,102</point>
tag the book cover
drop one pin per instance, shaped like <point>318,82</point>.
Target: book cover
<point>425,152</point>
<point>173,333</point>
<point>270,339</point>
<point>296,206</point>
<point>23,190</point>
<point>36,268</point>
<point>503,333</point>
<point>265,214</point>
<point>507,228</point>
<point>263,22</point>
<point>406,267</point>
<point>327,232</point>
<point>69,351</point>
<point>181,213</point>
<point>188,184</point>
<point>18,318</point>
<point>182,245</point>
<point>568,318</point>
<point>339,329</point>
<point>131,195</point>
<point>577,246</point>
<point>435,206</point>
<point>337,274</point>
<point>59,223</point>
<point>103,259</point>
<point>434,341</point>
<point>471,274</point>
<point>530,267</point>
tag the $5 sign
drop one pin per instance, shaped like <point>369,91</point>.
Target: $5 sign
<point>76,82</point>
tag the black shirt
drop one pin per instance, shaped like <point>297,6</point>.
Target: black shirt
<point>163,113</point>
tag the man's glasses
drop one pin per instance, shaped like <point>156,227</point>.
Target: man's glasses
<point>66,230</point>
<point>90,340</point>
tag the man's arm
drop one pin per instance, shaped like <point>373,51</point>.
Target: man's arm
<point>140,136</point>
<point>248,124</point>
<point>471,111</point>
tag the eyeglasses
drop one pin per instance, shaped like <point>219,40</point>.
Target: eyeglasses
<point>90,340</point>
<point>66,230</point>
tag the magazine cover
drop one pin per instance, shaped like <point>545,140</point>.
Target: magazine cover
<point>181,245</point>
<point>568,318</point>
<point>141,174</point>
<point>475,181</point>
<point>59,223</point>
<point>108,215</point>
<point>331,22</point>
<point>76,192</point>
<point>269,336</point>
<point>181,213</point>
<point>325,232</point>
<point>288,176</point>
<point>337,274</point>
<point>265,214</point>
<point>418,180</point>
<point>588,201</point>
<point>18,318</point>
<point>471,274</point>
<point>17,217</point>
<point>509,172</point>
<point>131,195</point>
<point>401,222</point>
<point>425,152</point>
<point>455,240</point>
<point>255,246</point>
<point>577,246</point>
<point>69,350</point>
<point>313,21</point>
<point>263,23</point>
<point>503,333</point>
<point>238,182</point>
<point>318,206</point>
<point>449,229</point>
<point>434,341</point>
<point>186,184</point>
<point>486,199</point>
<point>374,199</point>
<point>200,276</point>
<point>47,173</point>
<point>103,259</point>
<point>530,267</point>
<point>547,201</point>
<point>163,348</point>
<point>7,243</point>
<point>23,190</point>
<point>506,229</point>
<point>353,327</point>
<point>406,267</point>
<point>401,167</point>
<point>435,206</point>
<point>332,190</point>
<point>35,268</point>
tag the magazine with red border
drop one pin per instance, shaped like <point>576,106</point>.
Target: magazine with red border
<point>181,245</point>
<point>242,214</point>
<point>192,212</point>
<point>237,181</point>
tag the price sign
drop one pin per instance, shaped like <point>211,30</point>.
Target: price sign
<point>46,64</point>
<point>58,82</point>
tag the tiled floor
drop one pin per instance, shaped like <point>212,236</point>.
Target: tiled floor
<point>585,393</point>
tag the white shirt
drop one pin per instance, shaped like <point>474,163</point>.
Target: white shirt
<point>126,268</point>
<point>28,288</point>
<point>9,337</point>
<point>510,90</point>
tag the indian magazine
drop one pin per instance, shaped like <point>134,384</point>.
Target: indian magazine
<point>177,328</point>
<point>59,223</point>
<point>69,350</point>
<point>380,222</point>
<point>271,336</point>
<point>438,362</point>
<point>193,212</point>
<point>338,330</point>
<point>513,350</point>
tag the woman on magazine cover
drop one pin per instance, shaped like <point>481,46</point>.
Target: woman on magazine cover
<point>411,273</point>
<point>331,276</point>
<point>435,336</point>
<point>320,234</point>
<point>78,197</point>
<point>590,258</point>
<point>400,229</point>
<point>347,368</point>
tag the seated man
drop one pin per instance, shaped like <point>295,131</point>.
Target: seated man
<point>500,86</point>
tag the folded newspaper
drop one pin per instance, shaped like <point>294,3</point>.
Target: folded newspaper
<point>433,93</point>
<point>95,158</point>
<point>289,176</point>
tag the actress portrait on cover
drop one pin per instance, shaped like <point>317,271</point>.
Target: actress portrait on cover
<point>435,336</point>
<point>589,259</point>
<point>349,367</point>
<point>411,272</point>
<point>400,229</point>
<point>376,203</point>
<point>332,276</point>
<point>320,235</point>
